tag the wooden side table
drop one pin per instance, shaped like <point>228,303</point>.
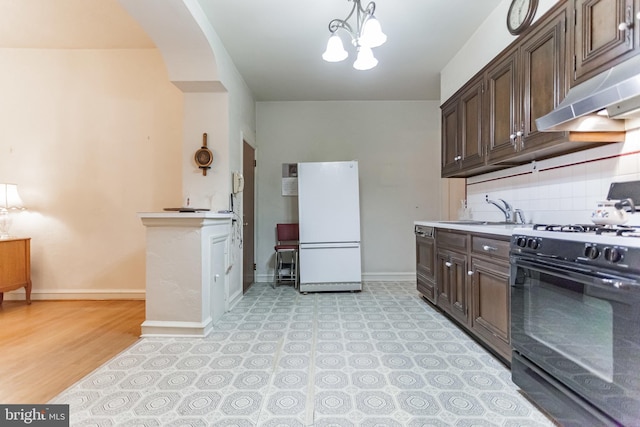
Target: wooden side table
<point>15,266</point>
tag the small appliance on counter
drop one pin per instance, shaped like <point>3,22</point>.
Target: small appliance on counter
<point>620,204</point>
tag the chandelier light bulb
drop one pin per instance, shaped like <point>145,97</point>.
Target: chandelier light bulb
<point>372,35</point>
<point>365,33</point>
<point>365,59</point>
<point>335,50</point>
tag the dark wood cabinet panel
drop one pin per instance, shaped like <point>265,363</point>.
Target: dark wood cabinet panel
<point>537,70</point>
<point>502,105</point>
<point>472,285</point>
<point>451,284</point>
<point>471,125</point>
<point>425,267</point>
<point>462,145</point>
<point>544,80</point>
<point>450,160</point>
<point>457,278</point>
<point>443,295</point>
<point>491,315</point>
<point>598,42</point>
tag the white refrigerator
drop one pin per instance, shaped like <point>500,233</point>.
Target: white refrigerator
<point>329,220</point>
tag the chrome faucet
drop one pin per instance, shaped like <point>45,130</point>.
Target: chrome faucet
<point>508,212</point>
<point>520,214</point>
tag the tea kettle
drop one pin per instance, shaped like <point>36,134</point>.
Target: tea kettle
<point>612,212</point>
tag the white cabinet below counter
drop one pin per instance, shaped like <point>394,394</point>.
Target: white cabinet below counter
<point>187,261</point>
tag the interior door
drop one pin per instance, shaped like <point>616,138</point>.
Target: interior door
<point>248,219</point>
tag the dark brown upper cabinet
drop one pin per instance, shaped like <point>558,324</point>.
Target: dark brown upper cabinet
<point>605,33</point>
<point>529,82</point>
<point>490,123</point>
<point>462,145</point>
<point>502,105</point>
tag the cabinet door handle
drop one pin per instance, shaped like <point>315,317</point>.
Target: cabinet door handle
<point>627,26</point>
<point>448,264</point>
<point>489,248</point>
<point>470,273</point>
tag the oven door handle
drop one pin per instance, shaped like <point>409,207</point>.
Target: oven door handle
<point>538,264</point>
<point>611,281</point>
<point>621,284</point>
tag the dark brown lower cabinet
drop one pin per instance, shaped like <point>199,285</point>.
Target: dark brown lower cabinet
<point>425,269</point>
<point>451,284</point>
<point>491,308</point>
<point>472,286</point>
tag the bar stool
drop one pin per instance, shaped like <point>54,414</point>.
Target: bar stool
<point>286,260</point>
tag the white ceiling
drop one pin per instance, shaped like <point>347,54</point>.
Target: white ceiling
<point>277,44</point>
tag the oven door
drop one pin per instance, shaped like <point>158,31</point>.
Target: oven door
<point>581,328</point>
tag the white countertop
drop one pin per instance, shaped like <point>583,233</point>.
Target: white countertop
<point>499,229</point>
<point>199,214</point>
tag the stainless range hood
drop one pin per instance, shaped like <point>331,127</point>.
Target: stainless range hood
<point>599,104</point>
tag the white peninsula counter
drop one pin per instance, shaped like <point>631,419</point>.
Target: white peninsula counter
<point>187,258</point>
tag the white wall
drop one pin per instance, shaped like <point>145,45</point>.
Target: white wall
<point>217,102</point>
<point>397,145</point>
<point>91,137</point>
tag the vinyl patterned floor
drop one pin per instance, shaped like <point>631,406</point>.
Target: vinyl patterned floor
<point>380,357</point>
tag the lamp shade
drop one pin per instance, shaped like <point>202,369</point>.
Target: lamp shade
<point>335,50</point>
<point>372,35</point>
<point>9,197</point>
<point>365,59</point>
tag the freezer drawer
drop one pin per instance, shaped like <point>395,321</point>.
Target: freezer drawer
<point>323,264</point>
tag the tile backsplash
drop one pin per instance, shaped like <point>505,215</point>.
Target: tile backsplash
<point>559,190</point>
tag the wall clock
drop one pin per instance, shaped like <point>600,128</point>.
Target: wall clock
<point>204,156</point>
<point>520,15</point>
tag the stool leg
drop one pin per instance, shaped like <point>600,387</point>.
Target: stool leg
<point>295,277</point>
<point>275,271</point>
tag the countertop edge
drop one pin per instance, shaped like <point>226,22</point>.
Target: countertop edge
<point>501,229</point>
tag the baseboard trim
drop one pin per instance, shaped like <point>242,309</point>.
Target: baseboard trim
<point>171,328</point>
<point>235,299</point>
<point>389,277</point>
<point>366,277</point>
<point>77,294</point>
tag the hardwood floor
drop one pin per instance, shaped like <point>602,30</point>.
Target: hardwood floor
<point>49,345</point>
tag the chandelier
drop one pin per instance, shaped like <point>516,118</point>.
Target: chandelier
<point>366,35</point>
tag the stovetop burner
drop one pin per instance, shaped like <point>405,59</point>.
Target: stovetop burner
<point>619,230</point>
<point>613,247</point>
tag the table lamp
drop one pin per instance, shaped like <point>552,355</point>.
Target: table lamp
<point>9,201</point>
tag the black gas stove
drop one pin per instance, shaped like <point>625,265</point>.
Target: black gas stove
<point>609,247</point>
<point>575,321</point>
